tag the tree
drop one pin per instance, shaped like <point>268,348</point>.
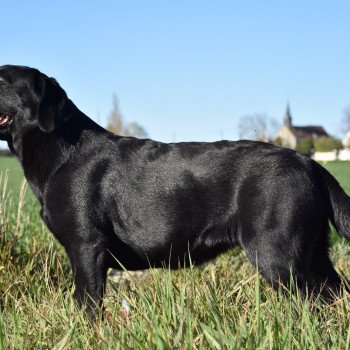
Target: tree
<point>277,141</point>
<point>136,130</point>
<point>327,144</point>
<point>257,127</point>
<point>115,119</point>
<point>346,140</point>
<point>305,146</point>
<point>116,124</point>
<point>346,120</point>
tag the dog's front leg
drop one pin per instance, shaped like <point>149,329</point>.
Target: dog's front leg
<point>88,260</point>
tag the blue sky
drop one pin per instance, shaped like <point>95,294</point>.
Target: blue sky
<point>189,70</point>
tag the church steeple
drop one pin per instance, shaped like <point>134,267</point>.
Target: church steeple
<point>288,117</point>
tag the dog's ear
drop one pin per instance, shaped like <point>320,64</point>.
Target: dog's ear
<point>54,106</point>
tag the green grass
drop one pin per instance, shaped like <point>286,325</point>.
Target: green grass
<point>10,165</point>
<point>223,305</point>
<point>341,171</point>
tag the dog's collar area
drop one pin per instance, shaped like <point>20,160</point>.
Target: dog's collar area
<point>5,119</point>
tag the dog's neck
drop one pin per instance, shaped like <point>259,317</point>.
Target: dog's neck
<point>42,154</point>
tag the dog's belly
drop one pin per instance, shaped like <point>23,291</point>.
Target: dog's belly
<point>174,250</point>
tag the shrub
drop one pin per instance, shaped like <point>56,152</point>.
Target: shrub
<point>5,152</point>
<point>327,144</point>
<point>277,141</point>
<point>305,146</point>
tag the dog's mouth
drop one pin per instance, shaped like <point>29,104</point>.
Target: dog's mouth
<point>5,119</point>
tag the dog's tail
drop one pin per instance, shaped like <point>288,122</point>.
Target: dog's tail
<point>338,202</point>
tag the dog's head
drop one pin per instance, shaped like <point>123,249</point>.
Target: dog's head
<point>29,99</point>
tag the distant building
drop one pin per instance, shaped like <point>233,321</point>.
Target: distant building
<point>290,136</point>
<point>346,140</point>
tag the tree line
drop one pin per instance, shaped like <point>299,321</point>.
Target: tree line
<point>117,125</point>
<point>260,127</point>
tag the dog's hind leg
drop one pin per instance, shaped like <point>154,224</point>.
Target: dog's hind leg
<point>281,257</point>
<point>279,271</point>
<point>325,278</point>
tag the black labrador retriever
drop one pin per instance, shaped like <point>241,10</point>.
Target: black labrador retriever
<point>143,203</point>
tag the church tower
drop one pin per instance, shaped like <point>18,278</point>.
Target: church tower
<point>288,117</point>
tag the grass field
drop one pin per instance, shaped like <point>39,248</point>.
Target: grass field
<point>223,305</point>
